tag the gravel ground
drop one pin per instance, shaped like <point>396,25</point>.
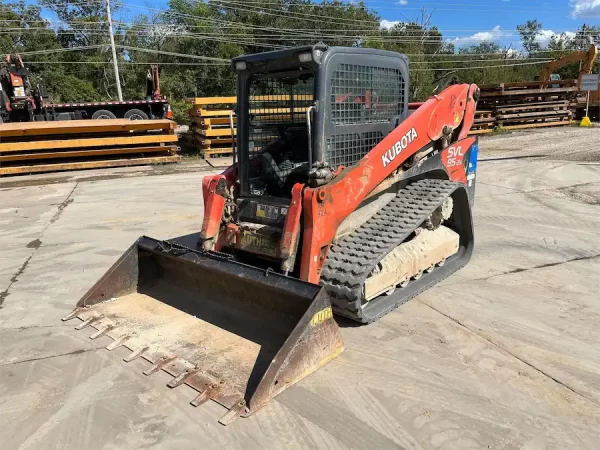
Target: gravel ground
<point>558,144</point>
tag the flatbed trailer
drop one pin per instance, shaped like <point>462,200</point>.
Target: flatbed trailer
<point>20,101</point>
<point>132,109</point>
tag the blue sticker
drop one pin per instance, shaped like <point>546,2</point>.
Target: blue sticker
<point>473,159</point>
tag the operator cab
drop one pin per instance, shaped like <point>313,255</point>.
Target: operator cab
<point>279,111</point>
<point>313,107</point>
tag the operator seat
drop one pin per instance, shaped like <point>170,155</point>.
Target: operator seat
<point>285,162</point>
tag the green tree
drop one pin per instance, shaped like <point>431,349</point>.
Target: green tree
<point>585,36</point>
<point>529,32</point>
<point>423,42</point>
<point>484,48</point>
<point>84,24</point>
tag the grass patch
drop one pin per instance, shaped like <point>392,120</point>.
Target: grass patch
<point>499,129</point>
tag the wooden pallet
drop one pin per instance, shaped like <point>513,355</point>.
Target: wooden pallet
<point>92,153</point>
<point>211,121</point>
<point>528,104</point>
<point>530,92</point>
<point>531,106</point>
<point>84,144</point>
<point>524,127</point>
<point>213,147</point>
<point>528,84</point>
<point>538,125</point>
<point>68,127</point>
<point>63,166</point>
<point>207,143</point>
<point>6,147</point>
<point>201,112</point>
<point>475,132</point>
<point>533,115</point>
<point>219,133</point>
<point>210,129</point>
<point>256,98</point>
<point>211,152</point>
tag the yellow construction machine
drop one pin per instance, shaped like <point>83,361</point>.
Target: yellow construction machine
<point>586,58</point>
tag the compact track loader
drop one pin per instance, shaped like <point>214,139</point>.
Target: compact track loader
<point>337,202</point>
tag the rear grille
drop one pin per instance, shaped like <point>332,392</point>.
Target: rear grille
<point>348,149</point>
<point>365,102</point>
<point>366,94</point>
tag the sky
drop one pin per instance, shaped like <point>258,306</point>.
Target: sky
<point>463,22</point>
<point>467,22</point>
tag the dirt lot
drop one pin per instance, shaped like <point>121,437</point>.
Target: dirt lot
<point>502,355</point>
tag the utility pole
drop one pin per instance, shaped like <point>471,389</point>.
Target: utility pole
<point>114,52</point>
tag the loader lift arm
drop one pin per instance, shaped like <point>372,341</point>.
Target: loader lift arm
<point>442,120</point>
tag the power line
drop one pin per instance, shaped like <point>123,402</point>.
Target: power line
<point>303,16</point>
<point>308,37</point>
<point>315,33</point>
<point>285,33</point>
<point>289,30</point>
<point>478,60</point>
<point>183,55</point>
<point>224,63</point>
<point>487,8</point>
<point>60,50</point>
<point>386,5</point>
<point>481,67</point>
<point>131,63</point>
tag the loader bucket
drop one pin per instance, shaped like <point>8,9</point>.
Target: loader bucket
<point>237,334</point>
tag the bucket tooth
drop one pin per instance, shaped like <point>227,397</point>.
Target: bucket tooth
<point>88,322</point>
<point>102,331</point>
<point>117,342</point>
<point>233,413</point>
<point>136,353</point>
<point>205,395</point>
<point>72,314</point>
<point>181,378</point>
<point>158,365</point>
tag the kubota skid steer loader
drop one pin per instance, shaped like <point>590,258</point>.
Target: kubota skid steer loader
<point>338,202</point>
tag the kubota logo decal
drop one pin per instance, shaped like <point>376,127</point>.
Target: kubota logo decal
<point>399,146</point>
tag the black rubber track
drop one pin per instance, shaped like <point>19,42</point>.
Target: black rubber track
<point>353,258</point>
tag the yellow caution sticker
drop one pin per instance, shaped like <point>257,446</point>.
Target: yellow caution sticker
<point>321,316</point>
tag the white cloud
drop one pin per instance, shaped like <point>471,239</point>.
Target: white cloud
<point>544,36</point>
<point>387,24</point>
<point>585,8</point>
<point>482,36</point>
<point>403,2</point>
<point>497,33</point>
<point>570,34</point>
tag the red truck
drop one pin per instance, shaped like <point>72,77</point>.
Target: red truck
<point>22,102</point>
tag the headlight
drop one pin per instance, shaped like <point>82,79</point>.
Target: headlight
<point>305,57</point>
